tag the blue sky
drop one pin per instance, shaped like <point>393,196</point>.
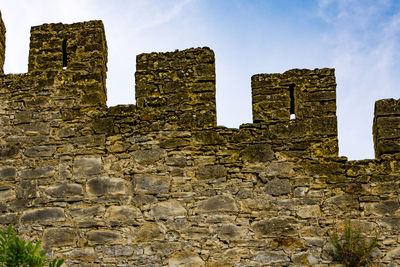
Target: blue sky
<point>361,39</point>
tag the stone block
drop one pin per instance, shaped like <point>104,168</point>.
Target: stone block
<point>257,153</point>
<point>281,169</point>
<point>168,209</point>
<point>43,215</point>
<point>278,187</point>
<point>65,190</point>
<point>120,215</point>
<point>39,172</point>
<point>8,173</point>
<point>9,151</point>
<point>271,257</point>
<point>36,128</point>
<point>185,258</point>
<point>9,218</point>
<point>220,203</point>
<point>86,253</point>
<point>118,251</point>
<point>7,195</point>
<point>107,186</point>
<point>40,151</point>
<point>148,156</point>
<point>176,161</point>
<point>98,237</point>
<point>59,237</point>
<point>309,211</point>
<point>87,211</point>
<point>286,242</point>
<point>149,232</point>
<point>150,183</point>
<point>211,172</point>
<point>385,208</point>
<point>27,189</point>
<point>230,231</point>
<point>86,166</point>
<point>390,223</point>
<point>273,227</point>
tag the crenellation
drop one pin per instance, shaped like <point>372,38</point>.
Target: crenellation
<point>298,106</point>
<point>177,87</point>
<point>158,183</point>
<point>386,128</point>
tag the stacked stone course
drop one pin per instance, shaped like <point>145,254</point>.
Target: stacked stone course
<point>160,184</point>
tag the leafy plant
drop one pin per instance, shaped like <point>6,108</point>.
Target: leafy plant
<point>351,249</point>
<point>16,252</point>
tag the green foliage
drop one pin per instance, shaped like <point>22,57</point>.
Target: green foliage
<point>16,252</point>
<point>351,249</point>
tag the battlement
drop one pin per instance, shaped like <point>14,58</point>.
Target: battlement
<point>159,183</point>
<point>386,128</point>
<point>180,85</point>
<point>176,90</point>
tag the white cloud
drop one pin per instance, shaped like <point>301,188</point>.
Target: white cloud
<point>363,46</point>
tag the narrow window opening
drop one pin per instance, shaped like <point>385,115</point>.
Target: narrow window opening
<point>64,52</point>
<point>292,105</point>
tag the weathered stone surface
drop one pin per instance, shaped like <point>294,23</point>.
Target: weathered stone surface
<point>228,257</point>
<point>211,172</point>
<point>167,209</point>
<point>27,189</point>
<point>8,151</point>
<point>257,153</point>
<point>309,211</point>
<point>87,254</point>
<point>40,151</point>
<point>287,242</point>
<point>8,173</point>
<point>149,156</point>
<point>392,255</point>
<point>86,211</point>
<point>278,187</point>
<point>273,227</point>
<point>39,172</point>
<point>391,223</point>
<point>185,259</point>
<point>149,183</point>
<point>9,218</point>
<point>59,237</point>
<point>218,203</point>
<point>386,208</point>
<point>231,232</point>
<point>7,195</point>
<point>301,258</point>
<point>103,237</point>
<point>87,166</point>
<point>118,250</point>
<point>65,190</point>
<point>43,215</point>
<point>271,257</point>
<point>149,232</point>
<point>281,169</point>
<point>119,215</point>
<point>176,161</point>
<point>105,185</point>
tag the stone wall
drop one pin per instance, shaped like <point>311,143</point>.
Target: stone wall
<point>158,183</point>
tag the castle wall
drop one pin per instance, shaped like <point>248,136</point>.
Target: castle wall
<point>158,183</point>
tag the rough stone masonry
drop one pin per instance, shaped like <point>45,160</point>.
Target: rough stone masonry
<point>160,184</point>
